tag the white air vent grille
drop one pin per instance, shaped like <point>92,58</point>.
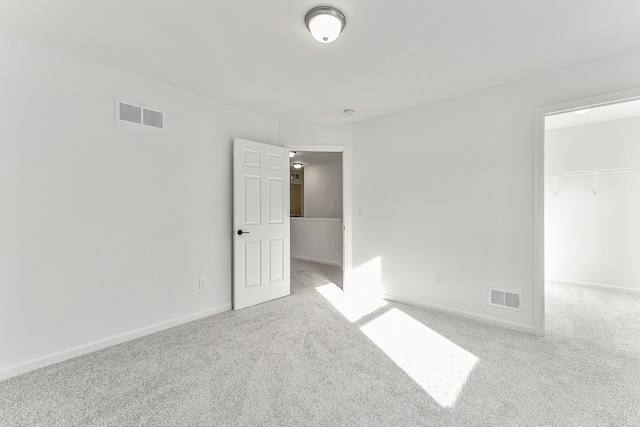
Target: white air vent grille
<point>130,113</point>
<point>152,118</point>
<point>504,299</point>
<point>140,115</point>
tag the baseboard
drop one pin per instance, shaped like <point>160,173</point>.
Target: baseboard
<point>593,285</point>
<point>465,314</point>
<point>80,350</point>
<point>319,261</point>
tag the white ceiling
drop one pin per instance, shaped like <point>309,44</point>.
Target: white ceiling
<point>392,55</point>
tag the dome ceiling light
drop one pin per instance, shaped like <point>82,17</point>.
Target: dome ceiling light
<point>325,23</point>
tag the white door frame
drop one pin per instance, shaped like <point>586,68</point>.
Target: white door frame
<point>539,188</point>
<point>346,198</point>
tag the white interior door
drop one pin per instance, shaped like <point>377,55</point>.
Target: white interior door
<point>261,263</point>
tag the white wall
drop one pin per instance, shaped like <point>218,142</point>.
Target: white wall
<point>323,191</point>
<point>315,133</point>
<point>317,239</point>
<point>448,188</point>
<point>593,239</point>
<point>106,226</point>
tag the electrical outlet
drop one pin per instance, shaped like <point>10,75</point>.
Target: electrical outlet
<point>202,283</point>
<point>438,277</point>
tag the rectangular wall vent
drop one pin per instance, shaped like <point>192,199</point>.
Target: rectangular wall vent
<point>140,115</point>
<point>130,113</point>
<point>504,299</point>
<point>152,118</point>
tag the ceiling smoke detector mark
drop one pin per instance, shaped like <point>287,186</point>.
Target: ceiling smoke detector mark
<point>128,112</point>
<point>504,299</point>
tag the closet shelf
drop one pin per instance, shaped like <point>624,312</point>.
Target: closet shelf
<point>595,174</point>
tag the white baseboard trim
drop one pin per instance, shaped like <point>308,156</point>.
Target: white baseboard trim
<point>593,285</point>
<point>90,347</point>
<point>465,314</point>
<point>319,261</point>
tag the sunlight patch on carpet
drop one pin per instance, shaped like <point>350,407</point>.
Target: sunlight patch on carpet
<point>352,305</point>
<point>436,364</point>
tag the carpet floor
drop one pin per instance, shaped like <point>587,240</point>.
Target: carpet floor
<point>317,358</point>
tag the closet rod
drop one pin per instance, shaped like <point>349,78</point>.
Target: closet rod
<point>595,174</point>
<point>598,172</point>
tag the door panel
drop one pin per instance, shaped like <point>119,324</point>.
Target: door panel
<point>251,158</point>
<point>252,262</point>
<point>260,223</point>
<point>276,201</point>
<point>276,256</point>
<point>252,200</point>
<point>276,161</point>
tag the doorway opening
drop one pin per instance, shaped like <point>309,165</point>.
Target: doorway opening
<point>587,166</point>
<point>319,217</point>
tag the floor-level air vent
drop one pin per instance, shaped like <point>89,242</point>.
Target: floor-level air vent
<point>504,299</point>
<point>140,115</point>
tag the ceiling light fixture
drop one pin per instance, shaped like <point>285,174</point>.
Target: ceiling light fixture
<point>297,165</point>
<point>292,154</point>
<point>325,23</point>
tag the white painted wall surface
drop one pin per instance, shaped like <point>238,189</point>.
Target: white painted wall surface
<point>105,226</point>
<point>317,239</point>
<point>593,239</point>
<point>323,191</point>
<point>448,188</point>
<point>315,133</point>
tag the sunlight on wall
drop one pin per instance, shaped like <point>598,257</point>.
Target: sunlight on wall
<point>436,364</point>
<point>353,306</point>
<point>365,279</point>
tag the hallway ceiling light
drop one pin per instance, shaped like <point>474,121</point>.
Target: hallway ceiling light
<point>292,154</point>
<point>297,165</point>
<point>325,23</point>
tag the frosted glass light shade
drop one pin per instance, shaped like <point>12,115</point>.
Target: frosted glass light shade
<point>325,23</point>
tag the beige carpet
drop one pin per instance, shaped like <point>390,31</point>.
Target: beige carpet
<point>299,361</point>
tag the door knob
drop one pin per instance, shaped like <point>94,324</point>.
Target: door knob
<point>240,232</point>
